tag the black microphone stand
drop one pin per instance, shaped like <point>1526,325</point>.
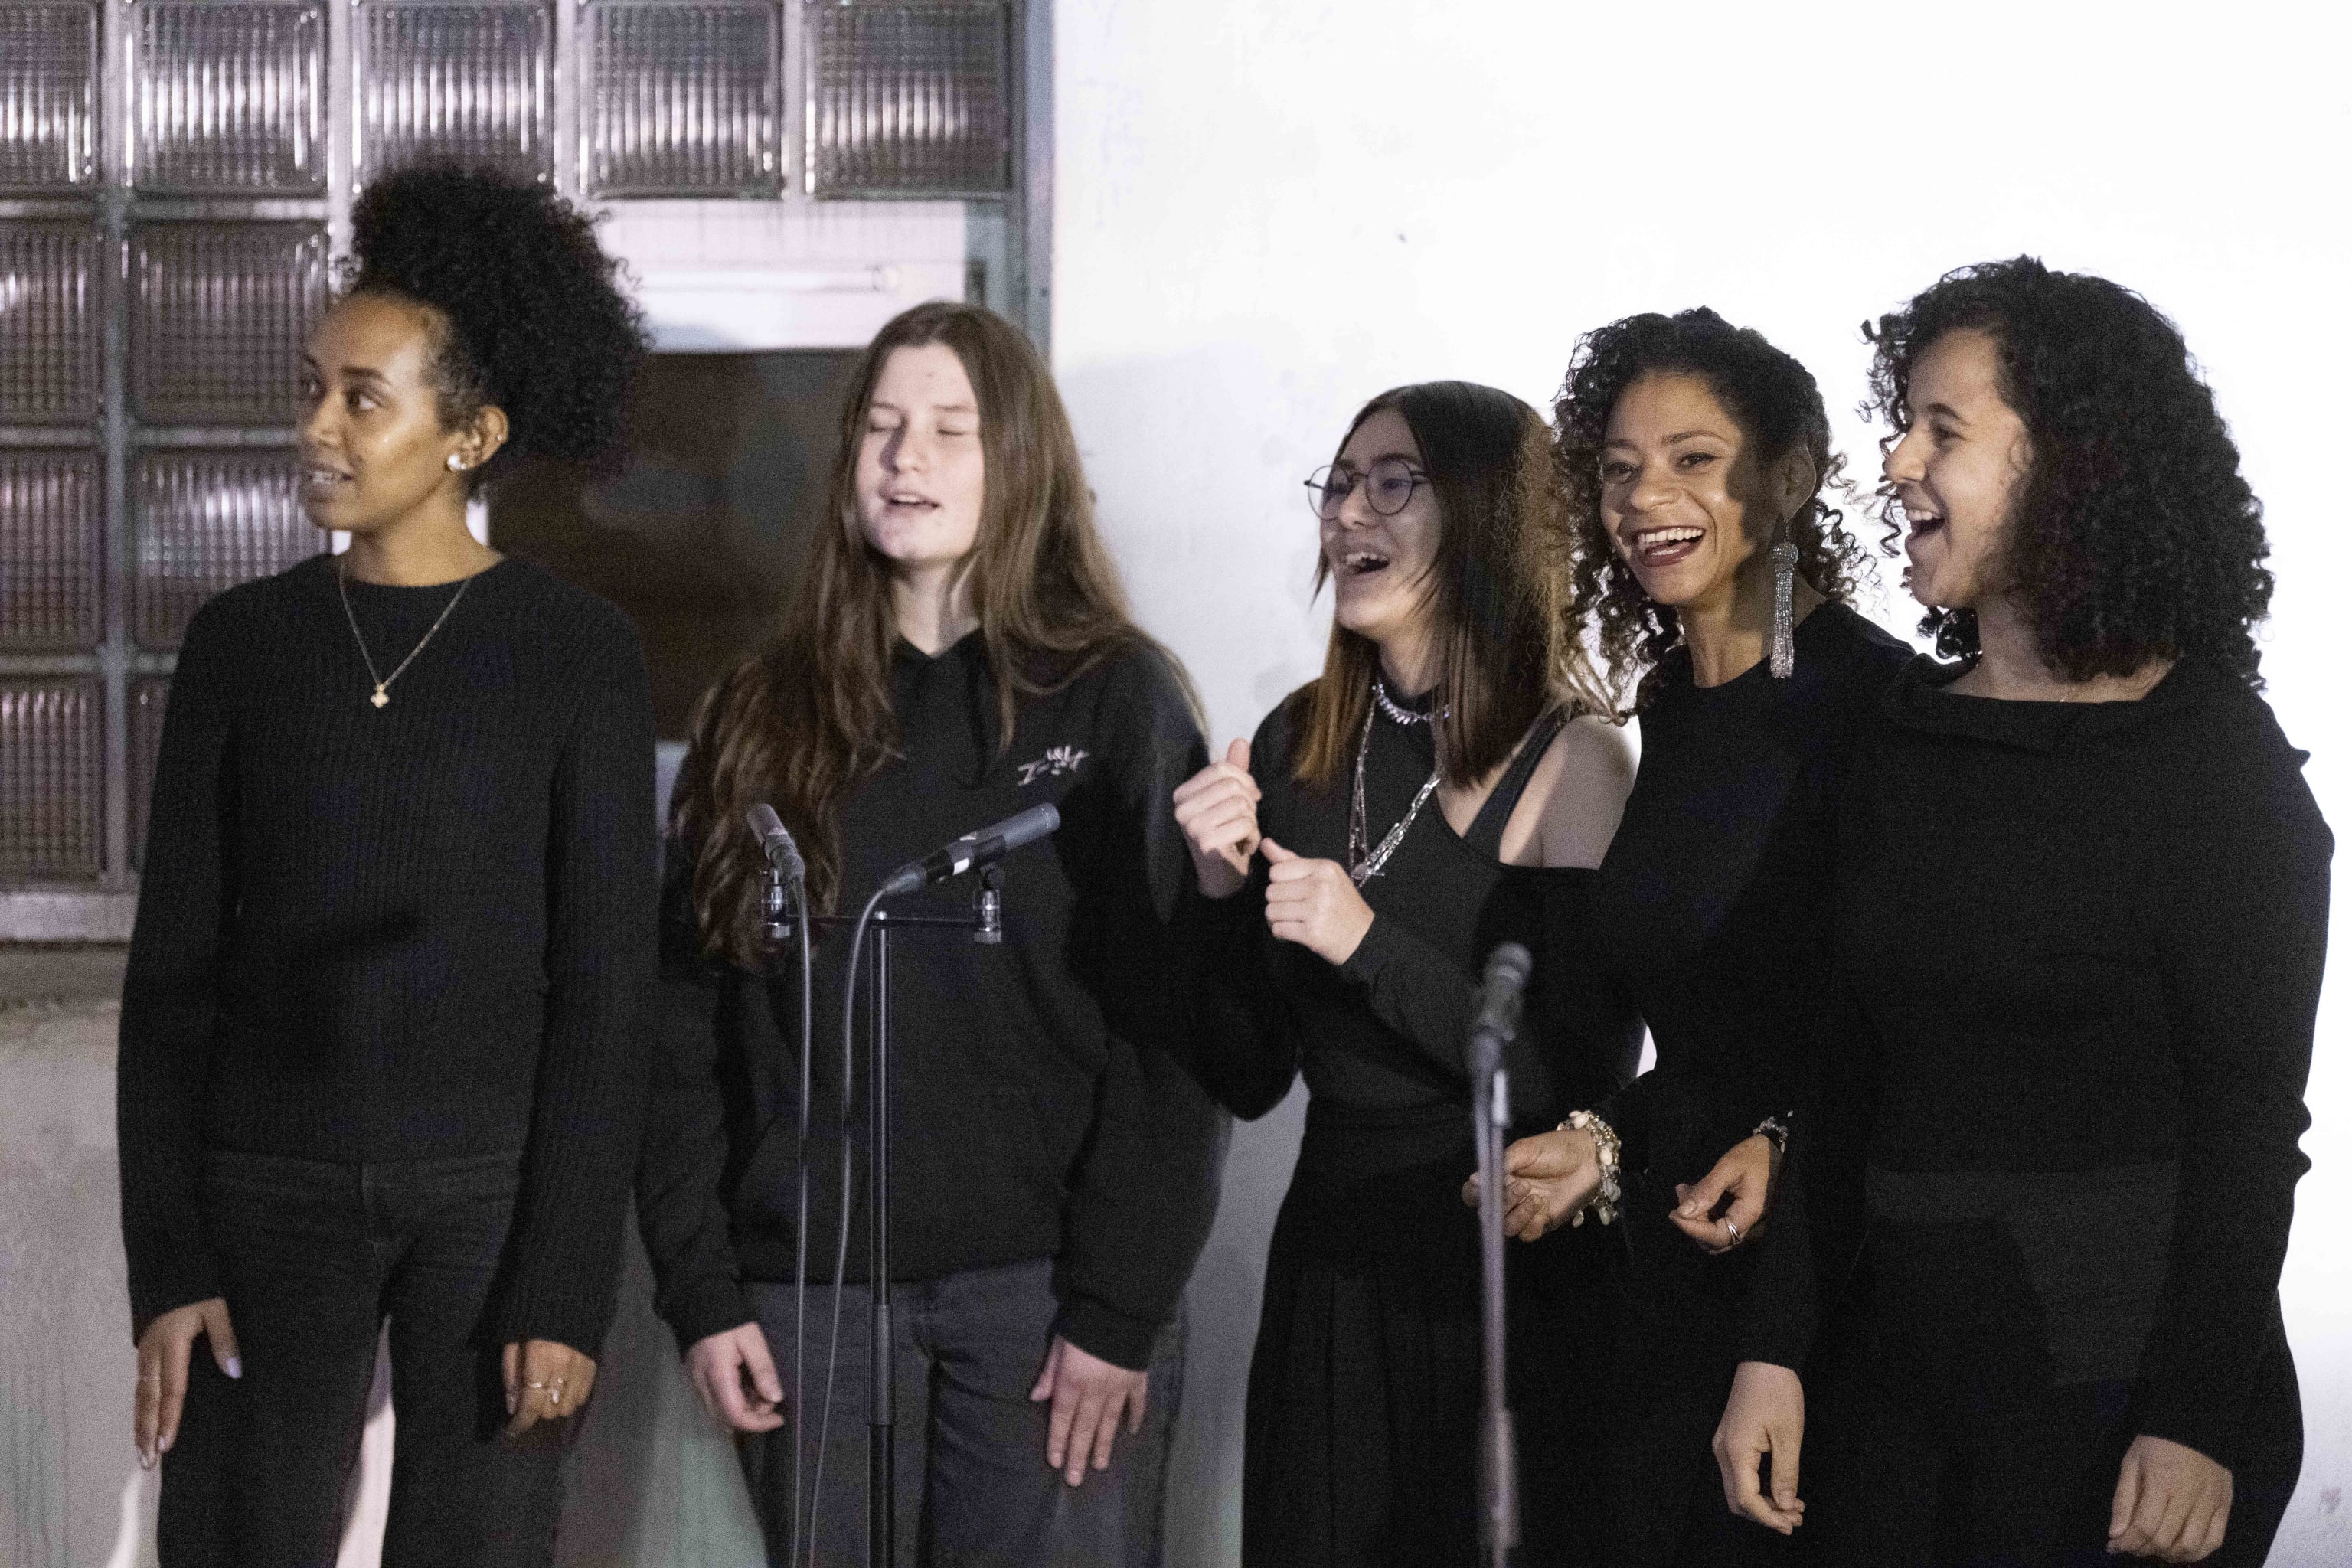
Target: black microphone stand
<point>1490,1118</point>
<point>986,924</point>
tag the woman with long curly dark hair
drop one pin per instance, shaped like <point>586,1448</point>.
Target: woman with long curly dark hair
<point>2083,906</point>
<point>959,649</point>
<point>1445,784</point>
<point>383,1030</point>
<point>1700,473</point>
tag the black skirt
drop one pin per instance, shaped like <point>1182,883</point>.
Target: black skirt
<point>1364,1391</point>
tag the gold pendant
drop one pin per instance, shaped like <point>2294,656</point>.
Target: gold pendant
<point>380,699</point>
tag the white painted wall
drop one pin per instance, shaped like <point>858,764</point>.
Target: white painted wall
<point>1266,213</point>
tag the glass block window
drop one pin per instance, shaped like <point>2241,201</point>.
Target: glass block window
<point>682,100</point>
<point>48,323</point>
<point>911,100</point>
<point>218,315</point>
<point>48,97</point>
<point>52,779</point>
<point>228,97</point>
<point>51,593</point>
<point>147,699</point>
<point>464,81</point>
<point>208,519</point>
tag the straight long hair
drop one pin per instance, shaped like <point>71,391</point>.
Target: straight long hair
<point>806,719</point>
<point>1496,592</point>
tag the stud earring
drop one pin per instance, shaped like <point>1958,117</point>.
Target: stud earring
<point>457,463</point>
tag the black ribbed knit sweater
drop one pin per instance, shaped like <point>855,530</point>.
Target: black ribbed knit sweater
<point>416,931</point>
<point>2081,947</point>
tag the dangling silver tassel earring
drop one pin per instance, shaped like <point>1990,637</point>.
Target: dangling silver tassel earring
<point>1784,609</point>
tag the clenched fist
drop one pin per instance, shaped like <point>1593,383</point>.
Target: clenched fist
<point>1315,904</point>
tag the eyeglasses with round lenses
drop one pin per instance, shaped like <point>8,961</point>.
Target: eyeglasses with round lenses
<point>1388,484</point>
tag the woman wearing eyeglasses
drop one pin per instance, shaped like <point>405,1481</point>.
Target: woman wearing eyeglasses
<point>1698,460</point>
<point>1356,862</point>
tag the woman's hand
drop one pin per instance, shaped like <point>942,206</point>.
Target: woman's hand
<point>545,1382</point>
<point>1089,1394</point>
<point>1547,1180</point>
<point>1765,1414</point>
<point>163,1372</point>
<point>1743,1177</point>
<point>1315,904</point>
<point>1217,809</point>
<point>735,1378</point>
<point>2172,1503</point>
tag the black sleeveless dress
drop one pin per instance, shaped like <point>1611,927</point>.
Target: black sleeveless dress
<point>1363,1426</point>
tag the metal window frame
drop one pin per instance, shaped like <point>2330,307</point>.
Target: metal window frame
<point>1011,233</point>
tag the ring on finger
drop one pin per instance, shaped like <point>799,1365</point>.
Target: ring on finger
<point>1733,1227</point>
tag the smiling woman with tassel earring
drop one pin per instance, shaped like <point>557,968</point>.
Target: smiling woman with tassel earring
<point>1697,463</point>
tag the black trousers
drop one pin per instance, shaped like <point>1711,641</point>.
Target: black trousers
<point>318,1256</point>
<point>1940,1439</point>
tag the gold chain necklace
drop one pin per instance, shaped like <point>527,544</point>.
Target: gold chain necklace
<point>382,695</point>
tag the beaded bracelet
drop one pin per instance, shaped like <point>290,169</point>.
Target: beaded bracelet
<point>1602,1204</point>
<point>1775,1132</point>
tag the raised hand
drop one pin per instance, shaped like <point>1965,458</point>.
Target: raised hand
<point>1217,810</point>
<point>1547,1180</point>
<point>545,1382</point>
<point>1744,1175</point>
<point>163,1372</point>
<point>1314,903</point>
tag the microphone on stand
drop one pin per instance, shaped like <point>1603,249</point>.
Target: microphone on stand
<point>984,847</point>
<point>776,841</point>
<point>1499,1006</point>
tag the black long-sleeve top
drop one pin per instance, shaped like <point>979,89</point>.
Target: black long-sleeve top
<point>2081,947</point>
<point>1714,904</point>
<point>1386,1032</point>
<point>378,934</point>
<point>1041,1106</point>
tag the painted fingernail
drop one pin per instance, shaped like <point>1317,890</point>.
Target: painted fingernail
<point>146,1460</point>
<point>234,1367</point>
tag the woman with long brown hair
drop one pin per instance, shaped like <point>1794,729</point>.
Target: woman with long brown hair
<point>1357,860</point>
<point>959,649</point>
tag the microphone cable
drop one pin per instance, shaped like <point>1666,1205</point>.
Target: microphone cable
<point>800,1225</point>
<point>848,1177</point>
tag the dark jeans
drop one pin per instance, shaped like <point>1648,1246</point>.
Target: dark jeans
<point>316,1257</point>
<point>973,1487</point>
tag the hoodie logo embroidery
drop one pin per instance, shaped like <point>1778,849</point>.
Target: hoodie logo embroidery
<point>1053,764</point>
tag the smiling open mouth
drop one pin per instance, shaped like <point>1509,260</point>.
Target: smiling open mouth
<point>1363,563</point>
<point>1664,546</point>
<point>315,478</point>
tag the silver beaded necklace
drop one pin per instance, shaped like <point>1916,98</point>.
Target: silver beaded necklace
<point>1363,864</point>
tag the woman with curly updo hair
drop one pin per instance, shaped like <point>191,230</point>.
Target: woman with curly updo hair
<point>2082,920</point>
<point>1698,465</point>
<point>383,1032</point>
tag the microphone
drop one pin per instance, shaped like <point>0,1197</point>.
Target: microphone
<point>776,841</point>
<point>984,848</point>
<point>1499,1006</point>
